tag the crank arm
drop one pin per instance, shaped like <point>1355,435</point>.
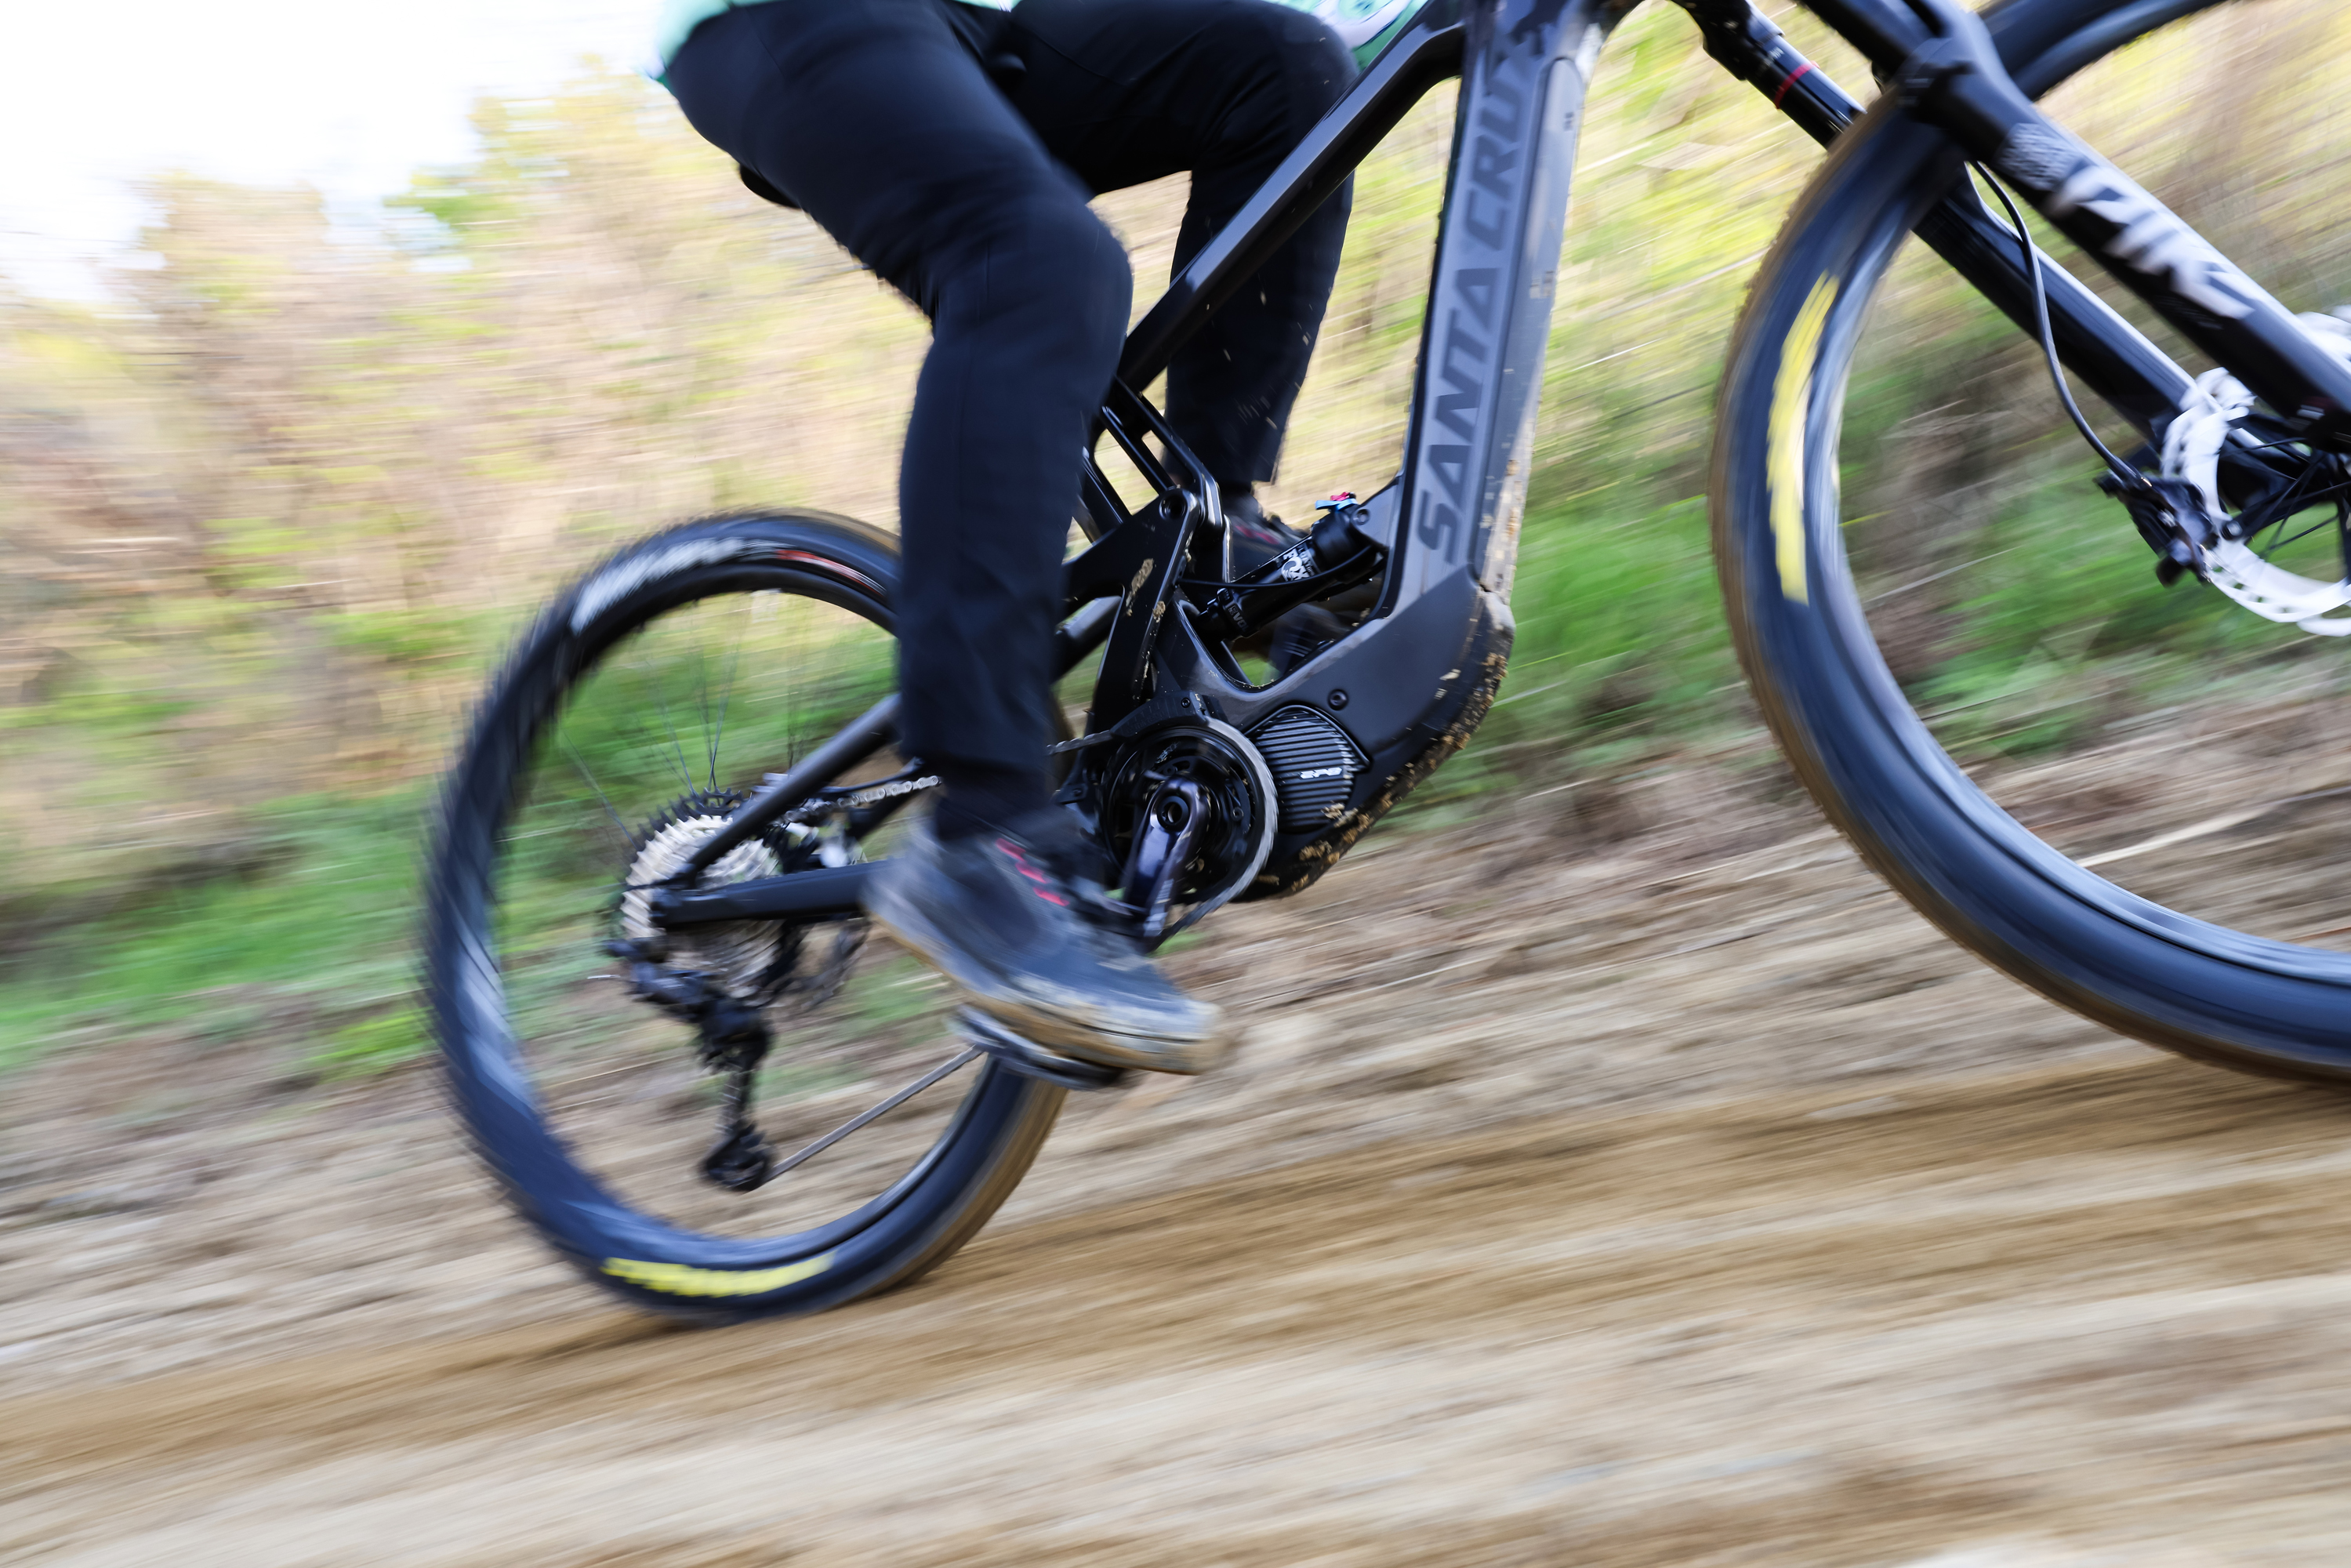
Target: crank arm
<point>1161,849</point>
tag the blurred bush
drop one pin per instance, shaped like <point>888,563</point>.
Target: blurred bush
<point>269,514</point>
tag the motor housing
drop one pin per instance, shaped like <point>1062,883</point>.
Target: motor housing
<point>1314,763</point>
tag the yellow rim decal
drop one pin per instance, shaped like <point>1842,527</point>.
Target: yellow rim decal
<point>677,1280</point>
<point>1791,400</point>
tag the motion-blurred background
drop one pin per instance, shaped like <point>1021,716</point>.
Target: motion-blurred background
<point>280,476</point>
<point>1612,1171</point>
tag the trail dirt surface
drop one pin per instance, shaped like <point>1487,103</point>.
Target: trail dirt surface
<point>1675,1198</point>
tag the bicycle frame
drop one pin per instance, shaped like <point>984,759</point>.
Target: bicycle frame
<point>1408,686</point>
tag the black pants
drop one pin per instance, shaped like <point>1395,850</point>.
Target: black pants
<point>968,192</point>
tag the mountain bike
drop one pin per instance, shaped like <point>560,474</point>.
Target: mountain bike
<point>646,961</point>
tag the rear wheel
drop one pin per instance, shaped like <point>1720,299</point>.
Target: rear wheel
<point>648,701</point>
<point>2129,798</point>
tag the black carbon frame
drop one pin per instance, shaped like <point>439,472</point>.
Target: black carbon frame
<point>1409,685</point>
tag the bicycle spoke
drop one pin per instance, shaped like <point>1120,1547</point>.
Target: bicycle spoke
<point>622,750</point>
<point>628,839</point>
<point>726,692</point>
<point>661,701</point>
<point>701,706</point>
<point>791,710</point>
<point>2293,538</point>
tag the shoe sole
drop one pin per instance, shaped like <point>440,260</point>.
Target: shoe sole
<point>1070,1036</point>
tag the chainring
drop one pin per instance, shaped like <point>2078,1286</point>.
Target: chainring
<point>1222,760</point>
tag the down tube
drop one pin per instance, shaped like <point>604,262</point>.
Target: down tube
<point>1526,65</point>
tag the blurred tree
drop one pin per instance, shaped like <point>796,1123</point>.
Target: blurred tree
<point>266,516</point>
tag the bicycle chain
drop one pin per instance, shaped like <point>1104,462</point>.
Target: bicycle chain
<point>809,811</point>
<point>825,984</point>
<point>816,989</point>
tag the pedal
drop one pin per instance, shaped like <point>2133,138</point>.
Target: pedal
<point>1027,1057</point>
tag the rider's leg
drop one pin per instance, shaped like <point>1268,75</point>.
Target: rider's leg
<point>874,116</point>
<point>1128,92</point>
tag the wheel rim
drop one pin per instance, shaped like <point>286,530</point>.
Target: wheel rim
<point>593,1105</point>
<point>2028,635</point>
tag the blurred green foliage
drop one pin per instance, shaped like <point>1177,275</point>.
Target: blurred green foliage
<point>267,518</point>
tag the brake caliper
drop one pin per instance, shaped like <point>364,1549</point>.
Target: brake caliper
<point>2216,445</point>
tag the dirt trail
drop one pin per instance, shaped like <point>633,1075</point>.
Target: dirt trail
<point>1769,1230</point>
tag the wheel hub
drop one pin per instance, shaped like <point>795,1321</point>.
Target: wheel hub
<point>747,958</point>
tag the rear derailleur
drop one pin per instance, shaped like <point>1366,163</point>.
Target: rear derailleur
<point>732,1038</point>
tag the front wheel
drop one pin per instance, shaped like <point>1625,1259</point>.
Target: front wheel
<point>2128,799</point>
<point>639,711</point>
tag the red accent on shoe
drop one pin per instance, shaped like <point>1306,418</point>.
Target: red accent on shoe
<point>1257,533</point>
<point>1042,887</point>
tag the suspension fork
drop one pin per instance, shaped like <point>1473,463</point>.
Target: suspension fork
<point>1955,82</point>
<point>2134,376</point>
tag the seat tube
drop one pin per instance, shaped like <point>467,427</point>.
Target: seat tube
<point>1526,67</point>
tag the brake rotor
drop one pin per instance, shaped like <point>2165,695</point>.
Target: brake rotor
<point>2217,415</point>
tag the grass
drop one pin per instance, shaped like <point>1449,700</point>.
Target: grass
<point>340,586</point>
<point>1621,649</point>
<point>2050,626</point>
<point>319,945</point>
<point>1622,657</point>
<point>315,950</point>
<point>2047,625</point>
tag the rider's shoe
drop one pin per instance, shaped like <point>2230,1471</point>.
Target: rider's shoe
<point>1000,915</point>
<point>1258,536</point>
<point>1300,633</point>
